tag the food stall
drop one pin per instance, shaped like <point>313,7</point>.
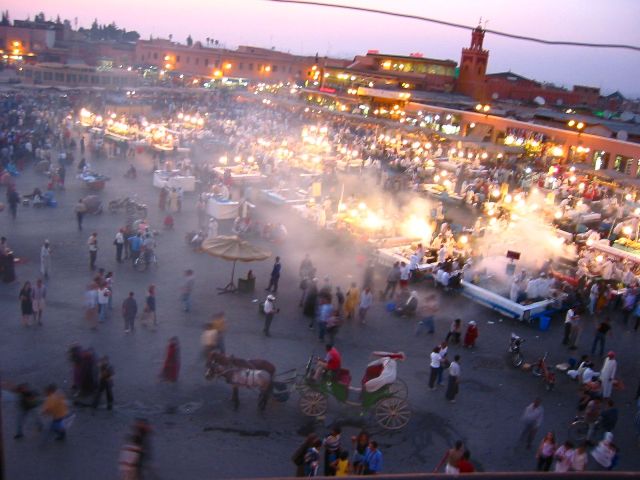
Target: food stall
<point>504,305</point>
<point>243,173</point>
<point>222,209</point>
<point>285,196</point>
<point>174,179</point>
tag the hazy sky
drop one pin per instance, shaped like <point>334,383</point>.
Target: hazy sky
<point>307,29</point>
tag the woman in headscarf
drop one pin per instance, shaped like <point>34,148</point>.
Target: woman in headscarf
<point>605,453</point>
<point>471,335</point>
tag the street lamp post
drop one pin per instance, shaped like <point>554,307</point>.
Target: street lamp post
<point>483,108</point>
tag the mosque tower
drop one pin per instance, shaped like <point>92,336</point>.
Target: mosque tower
<point>473,67</point>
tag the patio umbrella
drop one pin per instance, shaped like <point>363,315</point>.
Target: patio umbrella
<point>234,249</point>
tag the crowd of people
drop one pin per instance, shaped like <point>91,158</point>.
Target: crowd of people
<point>39,127</point>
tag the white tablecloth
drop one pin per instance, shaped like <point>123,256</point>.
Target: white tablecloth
<point>160,180</point>
<point>222,210</point>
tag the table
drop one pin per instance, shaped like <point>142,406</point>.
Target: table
<point>173,179</point>
<point>250,178</point>
<point>285,196</point>
<point>222,210</point>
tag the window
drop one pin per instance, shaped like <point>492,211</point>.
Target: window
<point>59,77</point>
<point>600,160</point>
<point>47,75</point>
<point>177,58</point>
<point>188,59</point>
<point>28,73</point>
<point>289,68</point>
<point>274,68</point>
<point>104,80</point>
<point>206,62</point>
<point>197,61</point>
<point>95,79</point>
<point>241,66</point>
<point>155,55</point>
<point>617,163</point>
<point>251,66</point>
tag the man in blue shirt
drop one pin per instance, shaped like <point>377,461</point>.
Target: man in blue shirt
<point>136,245</point>
<point>372,459</point>
<point>325,310</point>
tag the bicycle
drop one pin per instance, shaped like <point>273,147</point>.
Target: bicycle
<point>582,431</point>
<point>142,263</point>
<point>540,369</point>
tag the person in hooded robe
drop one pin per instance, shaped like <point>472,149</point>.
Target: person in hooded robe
<point>171,366</point>
<point>311,300</point>
<point>608,374</point>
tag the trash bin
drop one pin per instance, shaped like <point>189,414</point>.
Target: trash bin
<point>545,321</point>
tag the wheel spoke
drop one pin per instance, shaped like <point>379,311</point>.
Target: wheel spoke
<point>392,413</point>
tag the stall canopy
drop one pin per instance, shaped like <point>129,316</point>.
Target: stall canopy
<point>233,249</point>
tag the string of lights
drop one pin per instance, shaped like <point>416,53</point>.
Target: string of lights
<point>620,46</point>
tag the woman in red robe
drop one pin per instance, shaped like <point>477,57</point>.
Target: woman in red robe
<point>171,367</point>
<point>471,335</point>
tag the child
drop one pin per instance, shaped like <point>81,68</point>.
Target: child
<point>471,335</point>
<point>341,465</point>
<point>168,222</point>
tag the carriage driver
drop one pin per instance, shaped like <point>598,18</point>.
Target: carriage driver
<point>332,363</point>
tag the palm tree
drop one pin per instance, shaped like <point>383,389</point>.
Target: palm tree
<point>208,41</point>
<point>170,36</point>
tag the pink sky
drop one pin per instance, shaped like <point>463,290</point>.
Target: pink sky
<point>306,29</point>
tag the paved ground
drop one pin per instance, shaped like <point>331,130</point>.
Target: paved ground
<point>205,438</point>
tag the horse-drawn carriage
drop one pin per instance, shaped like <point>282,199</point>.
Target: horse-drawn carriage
<point>381,392</point>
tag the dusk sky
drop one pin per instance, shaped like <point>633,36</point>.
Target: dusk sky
<point>341,33</point>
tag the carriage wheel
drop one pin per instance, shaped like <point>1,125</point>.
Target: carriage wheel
<point>313,404</point>
<point>399,389</point>
<point>392,413</point>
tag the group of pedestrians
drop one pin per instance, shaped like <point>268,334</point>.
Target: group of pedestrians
<point>32,302</point>
<point>571,456</point>
<point>329,453</point>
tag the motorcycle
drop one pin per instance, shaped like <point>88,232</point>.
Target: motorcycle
<point>514,349</point>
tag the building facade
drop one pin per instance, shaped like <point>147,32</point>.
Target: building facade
<point>509,86</point>
<point>252,63</point>
<point>56,74</point>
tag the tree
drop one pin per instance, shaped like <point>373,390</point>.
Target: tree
<point>58,21</point>
<point>170,36</point>
<point>5,18</point>
<point>208,41</point>
<point>189,41</point>
<point>131,36</point>
<point>39,18</point>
